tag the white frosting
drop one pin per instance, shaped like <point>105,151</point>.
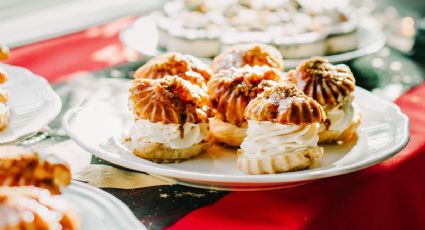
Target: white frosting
<point>267,139</point>
<point>145,132</point>
<point>341,117</point>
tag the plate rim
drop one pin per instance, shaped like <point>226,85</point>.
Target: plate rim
<point>101,195</point>
<point>288,63</point>
<point>56,103</point>
<point>258,179</point>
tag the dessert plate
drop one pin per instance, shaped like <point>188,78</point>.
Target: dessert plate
<point>99,123</point>
<point>97,209</point>
<point>32,102</point>
<point>370,40</point>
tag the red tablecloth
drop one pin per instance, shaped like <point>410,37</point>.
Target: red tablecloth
<point>390,195</point>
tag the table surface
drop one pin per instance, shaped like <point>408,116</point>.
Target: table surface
<point>386,196</point>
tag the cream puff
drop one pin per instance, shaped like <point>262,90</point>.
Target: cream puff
<point>35,208</point>
<point>22,167</point>
<point>248,54</point>
<point>282,134</point>
<point>171,119</point>
<point>187,67</point>
<point>230,92</point>
<point>333,87</point>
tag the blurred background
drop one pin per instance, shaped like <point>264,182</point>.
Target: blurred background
<point>393,70</point>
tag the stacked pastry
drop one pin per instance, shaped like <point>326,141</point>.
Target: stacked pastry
<point>275,121</point>
<point>171,109</point>
<point>4,94</point>
<point>28,191</point>
<point>242,72</point>
<point>333,87</point>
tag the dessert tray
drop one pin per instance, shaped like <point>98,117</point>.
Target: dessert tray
<point>32,102</point>
<point>98,209</point>
<point>99,124</point>
<point>369,40</point>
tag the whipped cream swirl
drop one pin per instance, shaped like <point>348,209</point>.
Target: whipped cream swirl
<point>171,135</point>
<point>341,116</point>
<point>267,139</point>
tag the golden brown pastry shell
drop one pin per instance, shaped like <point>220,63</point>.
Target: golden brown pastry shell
<point>248,54</point>
<point>160,153</point>
<point>285,104</point>
<point>185,66</point>
<point>284,162</point>
<point>169,100</point>
<point>326,83</point>
<point>231,90</point>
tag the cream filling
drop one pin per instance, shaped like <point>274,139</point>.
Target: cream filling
<point>144,132</point>
<point>341,118</point>
<point>266,139</point>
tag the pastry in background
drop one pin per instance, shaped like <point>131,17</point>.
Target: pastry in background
<point>21,167</point>
<point>34,208</point>
<point>333,87</point>
<point>230,91</point>
<point>171,119</point>
<point>187,67</point>
<point>248,54</point>
<point>282,134</point>
<point>298,29</point>
<point>339,25</point>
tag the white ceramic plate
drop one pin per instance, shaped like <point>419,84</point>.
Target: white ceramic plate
<point>99,124</point>
<point>142,36</point>
<point>97,209</point>
<point>32,102</point>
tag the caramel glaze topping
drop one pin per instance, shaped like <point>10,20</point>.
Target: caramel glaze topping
<point>169,100</point>
<point>285,104</point>
<point>326,83</point>
<point>231,90</point>
<point>184,66</point>
<point>248,54</point>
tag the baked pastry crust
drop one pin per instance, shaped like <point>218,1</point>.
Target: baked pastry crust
<point>279,163</point>
<point>248,54</point>
<point>285,104</point>
<point>326,83</point>
<point>34,208</point>
<point>160,153</point>
<point>187,67</point>
<point>20,167</point>
<point>169,100</point>
<point>231,90</point>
